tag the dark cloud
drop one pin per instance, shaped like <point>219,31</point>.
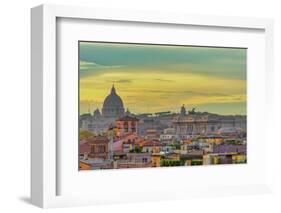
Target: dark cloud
<point>161,91</point>
<point>122,81</point>
<point>204,93</point>
<point>189,92</point>
<point>165,80</point>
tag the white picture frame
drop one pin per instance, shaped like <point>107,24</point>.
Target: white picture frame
<point>44,149</point>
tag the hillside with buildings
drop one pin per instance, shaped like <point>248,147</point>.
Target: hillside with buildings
<point>113,138</point>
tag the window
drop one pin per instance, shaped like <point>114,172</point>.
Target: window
<point>93,149</point>
<point>144,160</point>
<point>101,148</point>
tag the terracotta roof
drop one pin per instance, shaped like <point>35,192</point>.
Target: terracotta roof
<point>187,142</point>
<point>151,143</point>
<point>97,139</point>
<point>128,142</point>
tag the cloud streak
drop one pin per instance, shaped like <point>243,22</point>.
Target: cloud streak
<point>122,81</point>
<point>90,68</point>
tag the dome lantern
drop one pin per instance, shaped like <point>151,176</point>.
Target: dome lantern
<point>113,91</point>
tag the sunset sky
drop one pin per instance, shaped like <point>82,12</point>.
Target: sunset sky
<point>153,78</point>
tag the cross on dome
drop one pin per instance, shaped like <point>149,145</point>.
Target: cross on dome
<point>113,91</point>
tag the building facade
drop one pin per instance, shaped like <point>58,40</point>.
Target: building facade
<point>127,124</point>
<point>196,124</point>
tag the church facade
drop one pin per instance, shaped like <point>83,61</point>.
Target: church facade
<point>188,125</point>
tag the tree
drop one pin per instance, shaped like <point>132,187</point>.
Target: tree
<point>192,111</point>
<point>167,162</point>
<point>137,149</point>
<point>85,134</point>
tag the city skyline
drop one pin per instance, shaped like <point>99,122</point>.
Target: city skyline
<point>153,78</point>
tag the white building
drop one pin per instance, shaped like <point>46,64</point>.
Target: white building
<point>189,125</point>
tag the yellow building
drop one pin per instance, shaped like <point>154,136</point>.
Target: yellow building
<point>84,166</point>
<point>156,157</point>
<point>239,158</point>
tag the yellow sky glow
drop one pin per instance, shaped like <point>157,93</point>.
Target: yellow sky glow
<point>152,90</point>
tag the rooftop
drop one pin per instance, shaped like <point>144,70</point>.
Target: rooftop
<point>127,118</point>
<point>97,139</point>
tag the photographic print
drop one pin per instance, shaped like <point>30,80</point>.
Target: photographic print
<point>150,105</point>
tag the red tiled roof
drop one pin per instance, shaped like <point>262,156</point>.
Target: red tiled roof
<point>97,139</point>
<point>130,136</point>
<point>151,143</point>
<point>128,142</point>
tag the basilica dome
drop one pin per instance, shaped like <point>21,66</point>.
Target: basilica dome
<point>113,105</point>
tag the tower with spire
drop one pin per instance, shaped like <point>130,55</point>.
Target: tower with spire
<point>97,114</point>
<point>183,111</point>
